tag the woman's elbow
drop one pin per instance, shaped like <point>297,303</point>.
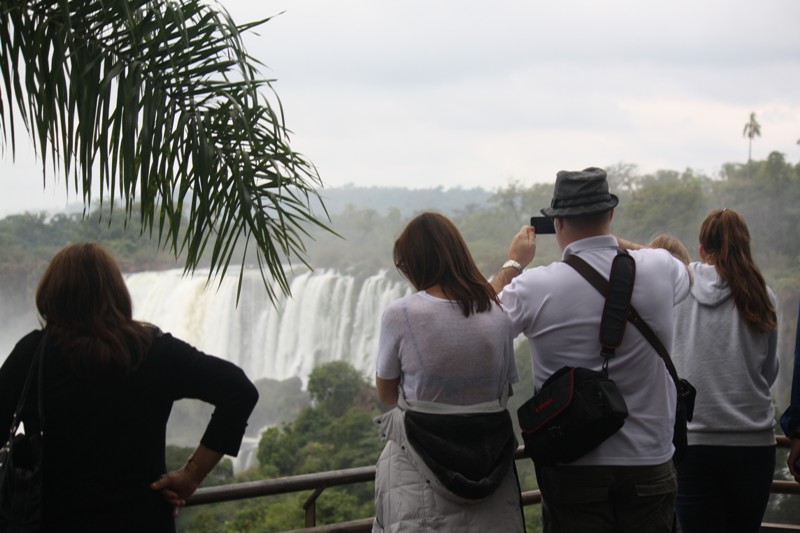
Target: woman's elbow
<point>243,390</point>
<point>250,394</point>
<point>387,398</point>
<point>387,390</point>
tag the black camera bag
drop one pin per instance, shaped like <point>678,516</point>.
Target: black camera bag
<point>574,412</point>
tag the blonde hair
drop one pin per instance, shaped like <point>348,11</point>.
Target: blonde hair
<point>673,246</point>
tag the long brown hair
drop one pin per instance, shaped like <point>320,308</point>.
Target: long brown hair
<point>726,243</point>
<point>87,311</point>
<point>430,251</point>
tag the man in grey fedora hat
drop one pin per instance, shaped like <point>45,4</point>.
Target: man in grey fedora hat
<point>628,483</point>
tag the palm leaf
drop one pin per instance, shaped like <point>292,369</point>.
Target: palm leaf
<point>159,101</point>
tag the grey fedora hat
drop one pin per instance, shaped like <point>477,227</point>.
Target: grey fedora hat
<point>579,193</point>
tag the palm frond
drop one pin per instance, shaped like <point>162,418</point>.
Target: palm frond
<point>160,102</point>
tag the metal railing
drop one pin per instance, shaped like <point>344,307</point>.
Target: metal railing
<point>320,481</point>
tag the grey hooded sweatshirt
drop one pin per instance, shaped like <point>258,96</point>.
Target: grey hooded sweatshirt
<point>729,362</point>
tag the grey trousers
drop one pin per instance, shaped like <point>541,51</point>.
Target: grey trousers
<point>599,499</point>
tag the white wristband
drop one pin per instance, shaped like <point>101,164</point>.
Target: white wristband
<point>513,264</point>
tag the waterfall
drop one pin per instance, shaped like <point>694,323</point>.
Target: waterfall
<point>330,317</point>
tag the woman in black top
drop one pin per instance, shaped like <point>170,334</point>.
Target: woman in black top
<point>108,387</point>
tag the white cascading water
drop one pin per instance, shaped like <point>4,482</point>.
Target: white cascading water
<point>329,317</point>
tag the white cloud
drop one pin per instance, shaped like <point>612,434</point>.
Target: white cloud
<point>462,92</point>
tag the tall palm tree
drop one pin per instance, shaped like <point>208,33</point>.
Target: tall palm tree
<point>159,101</point>
<point>751,130</point>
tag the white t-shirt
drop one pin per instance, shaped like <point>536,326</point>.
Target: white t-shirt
<point>441,355</point>
<point>559,312</point>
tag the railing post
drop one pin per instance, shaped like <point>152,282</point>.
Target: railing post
<point>310,507</point>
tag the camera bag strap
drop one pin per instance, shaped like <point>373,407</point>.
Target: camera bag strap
<point>617,306</point>
<point>604,287</point>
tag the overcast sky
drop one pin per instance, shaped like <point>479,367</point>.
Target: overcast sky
<point>467,93</point>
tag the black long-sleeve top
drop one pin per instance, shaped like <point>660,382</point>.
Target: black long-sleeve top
<point>105,437</point>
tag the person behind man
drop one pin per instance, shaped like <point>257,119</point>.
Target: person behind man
<point>628,483</point>
<point>673,246</point>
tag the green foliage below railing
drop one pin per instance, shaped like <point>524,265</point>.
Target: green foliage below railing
<point>334,433</point>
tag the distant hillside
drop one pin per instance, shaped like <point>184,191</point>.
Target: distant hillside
<point>408,201</point>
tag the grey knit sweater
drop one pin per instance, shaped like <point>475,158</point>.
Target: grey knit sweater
<point>731,365</point>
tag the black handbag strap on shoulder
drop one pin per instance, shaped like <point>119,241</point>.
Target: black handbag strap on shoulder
<point>604,287</point>
<point>36,368</point>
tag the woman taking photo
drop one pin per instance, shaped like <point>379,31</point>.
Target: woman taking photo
<point>446,359</point>
<point>725,345</point>
<point>108,384</point>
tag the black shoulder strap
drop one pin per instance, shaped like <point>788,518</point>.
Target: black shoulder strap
<point>618,301</point>
<point>603,286</point>
<point>615,310</point>
<point>40,388</point>
<point>36,368</point>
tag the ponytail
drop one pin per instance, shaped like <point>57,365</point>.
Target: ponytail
<point>726,243</point>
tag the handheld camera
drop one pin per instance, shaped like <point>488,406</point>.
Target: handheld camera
<point>543,225</point>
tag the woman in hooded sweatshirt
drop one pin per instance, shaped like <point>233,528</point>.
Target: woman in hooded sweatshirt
<point>725,345</point>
